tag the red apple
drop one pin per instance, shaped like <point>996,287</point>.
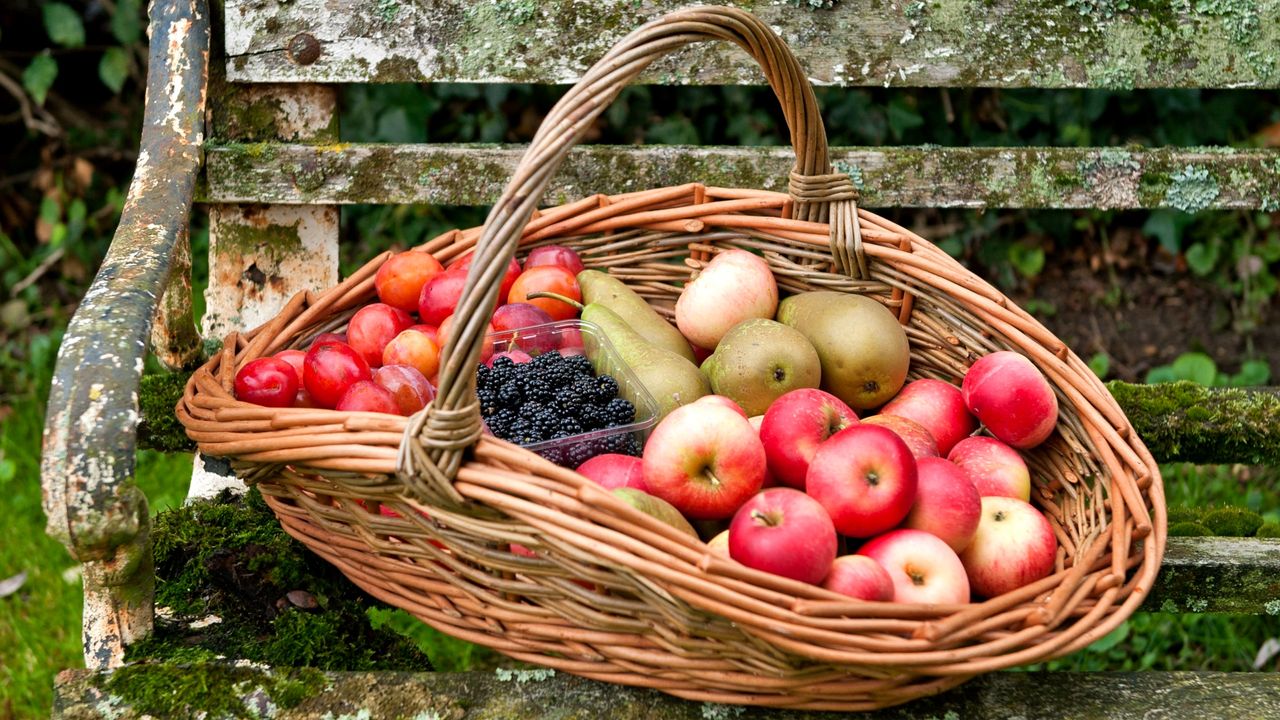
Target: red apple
<point>947,504</point>
<point>705,459</point>
<point>915,435</point>
<point>329,369</point>
<point>736,285</point>
<point>994,468</point>
<point>784,532</point>
<point>554,255</point>
<point>613,470</point>
<point>517,316</point>
<point>400,279</point>
<point>1009,394</point>
<point>368,396</point>
<point>440,296</point>
<point>415,349</point>
<point>407,386</point>
<point>294,358</point>
<point>267,381</point>
<point>508,277</point>
<point>722,400</point>
<point>516,356</point>
<point>373,327</point>
<point>865,477</point>
<point>328,337</point>
<point>795,425</point>
<point>860,577</point>
<point>938,406</point>
<point>1014,546</point>
<point>923,568</point>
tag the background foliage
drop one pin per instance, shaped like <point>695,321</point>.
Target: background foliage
<point>71,79</point>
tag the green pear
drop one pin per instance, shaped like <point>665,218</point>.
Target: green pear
<point>863,348</point>
<point>655,507</point>
<point>671,380</point>
<point>758,361</point>
<point>602,288</point>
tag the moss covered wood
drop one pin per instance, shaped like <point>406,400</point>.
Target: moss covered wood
<point>1187,179</point>
<point>953,43</point>
<point>84,695</point>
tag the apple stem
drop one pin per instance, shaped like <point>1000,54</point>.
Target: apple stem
<point>714,480</point>
<point>554,296</point>
<point>768,519</point>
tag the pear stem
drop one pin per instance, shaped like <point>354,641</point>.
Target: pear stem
<point>554,296</point>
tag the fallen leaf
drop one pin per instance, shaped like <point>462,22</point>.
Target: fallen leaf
<point>302,599</point>
<point>1269,649</point>
<point>11,585</point>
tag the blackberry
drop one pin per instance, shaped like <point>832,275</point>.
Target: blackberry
<point>570,426</point>
<point>558,375</point>
<point>503,363</point>
<point>592,417</point>
<point>634,447</point>
<point>581,452</point>
<point>570,398</point>
<point>500,422</point>
<point>606,389</point>
<point>482,375</point>
<point>530,410</point>
<point>509,396</point>
<point>547,425</point>
<point>488,401</point>
<point>580,364</point>
<point>547,361</point>
<point>620,411</point>
<point>538,389</point>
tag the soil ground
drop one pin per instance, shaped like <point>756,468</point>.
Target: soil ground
<point>1143,319</point>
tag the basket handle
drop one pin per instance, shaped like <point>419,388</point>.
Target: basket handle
<point>436,438</point>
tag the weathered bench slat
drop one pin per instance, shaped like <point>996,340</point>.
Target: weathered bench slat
<point>1185,178</point>
<point>293,695</point>
<point>953,43</point>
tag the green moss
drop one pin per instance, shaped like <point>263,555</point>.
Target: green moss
<point>1189,529</point>
<point>1230,424</point>
<point>1182,513</point>
<point>1232,522</point>
<point>216,690</point>
<point>229,558</point>
<point>159,428</point>
<point>1269,530</point>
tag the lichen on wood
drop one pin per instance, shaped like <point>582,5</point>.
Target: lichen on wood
<point>1184,178</point>
<point>954,43</point>
<point>481,696</point>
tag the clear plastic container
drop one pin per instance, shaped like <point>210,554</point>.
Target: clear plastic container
<point>575,337</point>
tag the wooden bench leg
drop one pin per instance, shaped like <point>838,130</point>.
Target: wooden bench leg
<point>261,255</point>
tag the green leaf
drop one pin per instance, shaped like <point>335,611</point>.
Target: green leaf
<point>1027,259</point>
<point>8,469</point>
<point>63,25</point>
<point>952,246</point>
<point>1167,226</point>
<point>1161,374</point>
<point>1100,364</point>
<point>1111,639</point>
<point>39,76</point>
<point>126,23</point>
<point>1202,257</point>
<point>1252,372</point>
<point>1196,367</point>
<point>113,68</point>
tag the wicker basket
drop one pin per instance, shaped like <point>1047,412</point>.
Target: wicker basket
<point>613,594</point>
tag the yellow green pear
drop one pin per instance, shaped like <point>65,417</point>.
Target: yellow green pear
<point>602,288</point>
<point>672,380</point>
<point>758,361</point>
<point>655,507</point>
<point>863,348</point>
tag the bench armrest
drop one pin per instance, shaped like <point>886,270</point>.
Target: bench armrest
<point>90,425</point>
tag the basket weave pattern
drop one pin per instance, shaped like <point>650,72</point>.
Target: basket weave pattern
<point>613,594</point>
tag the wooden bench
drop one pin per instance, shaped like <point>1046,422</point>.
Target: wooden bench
<point>253,129</point>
